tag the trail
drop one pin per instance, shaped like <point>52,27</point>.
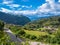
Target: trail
<point>13,36</point>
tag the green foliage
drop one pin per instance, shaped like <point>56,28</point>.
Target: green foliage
<point>17,30</point>
<point>51,21</point>
<point>33,37</point>
<point>25,43</point>
<point>36,33</point>
<point>27,36</point>
<point>4,39</point>
<point>1,25</point>
<point>35,30</point>
<point>14,19</point>
<point>21,32</point>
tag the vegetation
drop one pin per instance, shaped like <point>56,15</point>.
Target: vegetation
<point>4,38</point>
<point>14,19</point>
<point>50,25</point>
<point>36,33</point>
<point>45,22</point>
<point>45,30</point>
<point>1,25</point>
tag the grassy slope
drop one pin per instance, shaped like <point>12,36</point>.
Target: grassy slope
<point>36,33</point>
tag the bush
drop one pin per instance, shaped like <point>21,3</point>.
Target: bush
<point>39,38</point>
<point>33,37</point>
<point>21,32</point>
<point>27,35</point>
<point>1,25</point>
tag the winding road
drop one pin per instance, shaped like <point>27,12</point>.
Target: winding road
<point>12,36</point>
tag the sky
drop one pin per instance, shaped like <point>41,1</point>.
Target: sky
<point>31,7</point>
<point>20,4</point>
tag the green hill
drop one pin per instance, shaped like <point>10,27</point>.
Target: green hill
<point>14,19</point>
<point>44,22</point>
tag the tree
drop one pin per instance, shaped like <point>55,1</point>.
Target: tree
<point>1,25</point>
<point>21,32</point>
<point>59,19</point>
<point>33,37</point>
<point>27,35</point>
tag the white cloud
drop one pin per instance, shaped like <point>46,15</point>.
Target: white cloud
<point>13,5</point>
<point>7,1</point>
<point>50,7</point>
<point>5,10</point>
<point>26,12</point>
<point>26,6</point>
<point>59,1</point>
<point>44,8</point>
<point>10,4</point>
<point>51,2</point>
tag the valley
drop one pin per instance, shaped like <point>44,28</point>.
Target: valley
<point>44,31</point>
<point>29,22</point>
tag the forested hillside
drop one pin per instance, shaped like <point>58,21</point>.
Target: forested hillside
<point>45,30</point>
<point>14,19</point>
<point>53,21</point>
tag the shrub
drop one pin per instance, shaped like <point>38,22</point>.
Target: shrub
<point>27,35</point>
<point>33,37</point>
<point>39,38</point>
<point>21,32</point>
<point>1,25</point>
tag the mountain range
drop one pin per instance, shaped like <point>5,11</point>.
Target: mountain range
<point>14,19</point>
<point>20,19</point>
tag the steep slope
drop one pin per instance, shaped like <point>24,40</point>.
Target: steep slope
<point>14,19</point>
<point>53,21</point>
